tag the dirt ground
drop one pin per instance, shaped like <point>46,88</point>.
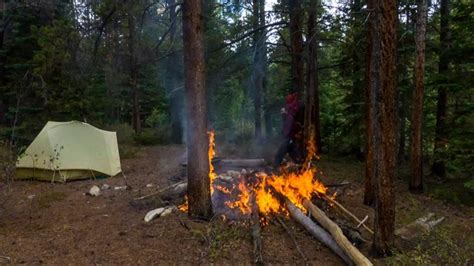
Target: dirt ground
<point>49,223</point>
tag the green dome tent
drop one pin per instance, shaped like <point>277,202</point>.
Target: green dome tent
<point>68,151</point>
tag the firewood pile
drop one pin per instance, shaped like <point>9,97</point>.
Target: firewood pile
<point>240,196</point>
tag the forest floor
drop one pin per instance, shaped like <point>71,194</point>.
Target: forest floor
<point>49,223</point>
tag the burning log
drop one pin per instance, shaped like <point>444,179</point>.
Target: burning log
<point>347,212</point>
<point>354,254</point>
<point>315,230</point>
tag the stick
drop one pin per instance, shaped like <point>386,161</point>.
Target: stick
<point>347,212</point>
<point>161,191</point>
<point>293,239</point>
<point>257,243</point>
<point>242,162</point>
<point>345,183</point>
<point>315,230</point>
<point>354,254</point>
<point>6,258</point>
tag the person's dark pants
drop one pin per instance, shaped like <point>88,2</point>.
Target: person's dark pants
<point>290,147</point>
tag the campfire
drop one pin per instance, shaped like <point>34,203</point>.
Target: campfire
<point>257,196</point>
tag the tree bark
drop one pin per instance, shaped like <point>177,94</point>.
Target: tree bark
<point>312,111</point>
<point>352,252</point>
<point>416,180</point>
<point>199,195</point>
<point>173,69</point>
<point>133,72</point>
<point>296,39</point>
<point>315,230</point>
<point>383,114</point>
<point>441,139</point>
<point>258,74</point>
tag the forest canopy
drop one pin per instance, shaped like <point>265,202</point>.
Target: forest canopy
<point>119,64</point>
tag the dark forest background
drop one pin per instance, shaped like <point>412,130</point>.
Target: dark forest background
<point>119,65</point>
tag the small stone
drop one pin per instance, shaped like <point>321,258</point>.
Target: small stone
<point>233,174</point>
<point>30,197</point>
<point>94,191</point>
<point>153,214</point>
<point>120,188</point>
<point>225,177</point>
<point>105,187</point>
<point>149,185</point>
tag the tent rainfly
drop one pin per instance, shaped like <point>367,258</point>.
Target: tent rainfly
<point>73,150</point>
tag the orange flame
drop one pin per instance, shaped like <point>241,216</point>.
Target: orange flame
<point>212,174</point>
<point>294,185</point>
<point>243,200</point>
<point>211,153</point>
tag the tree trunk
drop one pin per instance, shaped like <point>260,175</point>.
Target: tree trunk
<point>416,180</point>
<point>199,195</point>
<point>259,39</point>
<point>312,111</point>
<point>383,114</point>
<point>173,69</point>
<point>296,39</point>
<point>441,139</point>
<point>133,73</point>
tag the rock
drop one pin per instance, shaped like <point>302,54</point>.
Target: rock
<point>153,214</point>
<point>149,185</point>
<point>225,177</point>
<point>105,187</point>
<point>94,191</point>
<point>233,174</point>
<point>30,197</point>
<point>120,188</point>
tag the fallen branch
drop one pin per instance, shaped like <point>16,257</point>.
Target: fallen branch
<point>176,185</point>
<point>242,162</point>
<point>350,214</point>
<point>257,242</point>
<point>354,254</point>
<point>315,230</point>
<point>298,248</point>
<point>345,183</point>
<point>6,258</point>
<point>421,225</point>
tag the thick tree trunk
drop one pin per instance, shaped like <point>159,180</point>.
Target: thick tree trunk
<point>383,113</point>
<point>441,139</point>
<point>312,111</point>
<point>133,73</point>
<point>199,195</point>
<point>176,95</point>
<point>416,180</point>
<point>296,39</point>
<point>258,75</point>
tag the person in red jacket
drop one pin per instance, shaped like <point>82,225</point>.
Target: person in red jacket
<point>293,125</point>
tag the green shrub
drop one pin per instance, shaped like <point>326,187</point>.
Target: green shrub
<point>125,134</point>
<point>150,136</point>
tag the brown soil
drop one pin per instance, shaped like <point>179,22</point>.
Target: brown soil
<point>62,225</point>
